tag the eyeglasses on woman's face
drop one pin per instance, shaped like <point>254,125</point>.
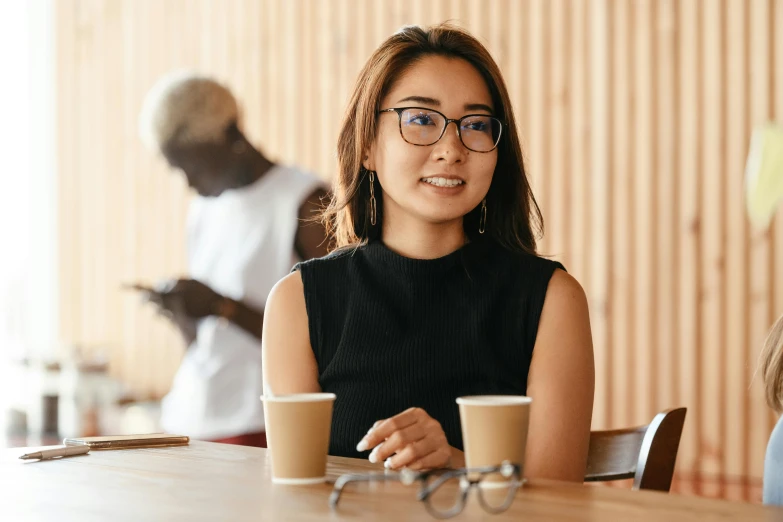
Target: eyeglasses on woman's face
<point>423,127</point>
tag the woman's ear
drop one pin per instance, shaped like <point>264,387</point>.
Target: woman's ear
<point>368,160</point>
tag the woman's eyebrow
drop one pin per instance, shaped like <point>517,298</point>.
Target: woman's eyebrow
<point>421,99</point>
<point>478,107</point>
<point>426,100</point>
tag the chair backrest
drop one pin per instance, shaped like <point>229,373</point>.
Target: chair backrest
<point>646,453</point>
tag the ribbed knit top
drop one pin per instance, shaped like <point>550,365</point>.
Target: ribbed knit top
<point>389,332</point>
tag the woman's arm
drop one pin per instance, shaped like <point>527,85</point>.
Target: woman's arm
<point>289,365</point>
<point>561,383</point>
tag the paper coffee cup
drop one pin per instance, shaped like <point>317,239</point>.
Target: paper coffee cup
<point>298,427</point>
<point>494,429</point>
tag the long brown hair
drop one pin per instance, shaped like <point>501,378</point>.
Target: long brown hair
<point>772,366</point>
<point>513,217</point>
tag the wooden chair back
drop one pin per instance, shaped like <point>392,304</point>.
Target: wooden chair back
<point>646,454</point>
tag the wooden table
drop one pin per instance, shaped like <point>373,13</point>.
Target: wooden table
<point>206,481</point>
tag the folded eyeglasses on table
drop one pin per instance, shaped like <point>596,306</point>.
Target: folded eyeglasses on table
<point>445,491</point>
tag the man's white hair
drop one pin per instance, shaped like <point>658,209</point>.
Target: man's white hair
<point>185,108</point>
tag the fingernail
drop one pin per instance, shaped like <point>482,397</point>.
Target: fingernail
<point>387,463</point>
<point>362,446</point>
<point>374,455</point>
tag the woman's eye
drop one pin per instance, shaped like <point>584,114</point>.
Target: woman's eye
<point>476,126</point>
<point>421,119</point>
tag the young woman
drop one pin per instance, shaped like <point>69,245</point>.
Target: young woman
<point>246,229</point>
<point>436,291</point>
<point>772,371</point>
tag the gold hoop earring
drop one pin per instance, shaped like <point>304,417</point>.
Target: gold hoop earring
<point>483,219</point>
<point>372,198</point>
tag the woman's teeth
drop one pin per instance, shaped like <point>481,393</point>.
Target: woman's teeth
<point>443,182</point>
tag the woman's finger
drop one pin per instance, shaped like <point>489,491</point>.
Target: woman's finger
<point>413,452</point>
<point>397,441</point>
<point>384,430</point>
<point>441,458</point>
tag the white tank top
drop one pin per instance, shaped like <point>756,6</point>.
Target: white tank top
<point>240,244</point>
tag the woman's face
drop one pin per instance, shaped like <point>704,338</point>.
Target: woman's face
<point>441,182</point>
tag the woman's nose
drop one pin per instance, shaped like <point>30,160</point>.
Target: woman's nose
<point>450,146</point>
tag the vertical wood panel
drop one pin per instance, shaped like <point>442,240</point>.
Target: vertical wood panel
<point>643,226</point>
<point>711,214</point>
<point>622,320</point>
<point>579,92</point>
<point>536,87</point>
<point>665,204</point>
<point>688,231</point>
<point>736,294</point>
<point>635,117</point>
<point>598,171</point>
<point>557,137</point>
<point>760,278</point>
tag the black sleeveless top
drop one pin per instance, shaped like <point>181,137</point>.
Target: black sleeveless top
<point>390,332</point>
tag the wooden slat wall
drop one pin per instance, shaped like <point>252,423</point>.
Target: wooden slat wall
<point>636,117</point>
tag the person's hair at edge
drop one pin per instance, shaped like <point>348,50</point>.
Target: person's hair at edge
<point>513,217</point>
<point>186,108</point>
<point>772,366</point>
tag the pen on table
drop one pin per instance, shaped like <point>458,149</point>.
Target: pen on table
<point>62,451</point>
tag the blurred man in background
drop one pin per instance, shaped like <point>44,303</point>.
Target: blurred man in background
<point>252,220</point>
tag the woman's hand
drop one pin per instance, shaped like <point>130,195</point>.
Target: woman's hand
<point>411,439</point>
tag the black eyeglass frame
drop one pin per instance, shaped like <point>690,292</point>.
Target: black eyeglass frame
<point>457,121</point>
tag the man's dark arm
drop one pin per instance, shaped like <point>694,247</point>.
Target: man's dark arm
<point>310,242</point>
<point>311,238</point>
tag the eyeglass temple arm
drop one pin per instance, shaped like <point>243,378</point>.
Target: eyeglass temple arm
<point>343,480</point>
